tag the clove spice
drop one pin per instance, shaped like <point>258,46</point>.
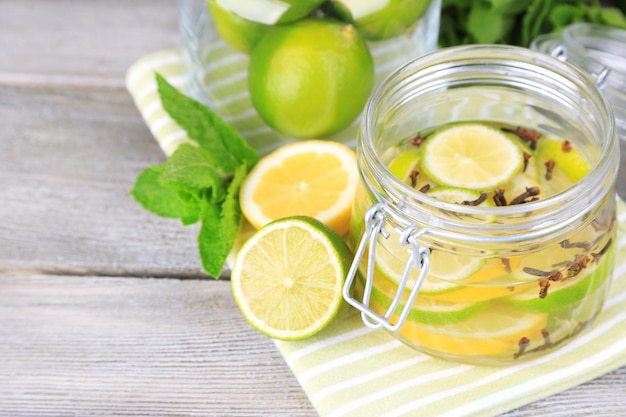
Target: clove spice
<point>526,196</point>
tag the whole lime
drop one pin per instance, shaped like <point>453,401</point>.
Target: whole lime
<point>378,20</point>
<point>310,78</point>
<point>271,12</point>
<point>239,33</point>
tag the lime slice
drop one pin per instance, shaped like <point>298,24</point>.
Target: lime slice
<point>566,157</point>
<point>430,311</point>
<point>565,292</point>
<point>471,156</point>
<point>495,330</point>
<point>445,271</point>
<point>404,164</point>
<point>288,277</point>
<point>459,196</point>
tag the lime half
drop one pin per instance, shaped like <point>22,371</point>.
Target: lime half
<point>471,156</point>
<point>288,277</point>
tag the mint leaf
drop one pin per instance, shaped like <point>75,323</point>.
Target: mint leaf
<point>156,197</point>
<point>226,148</point>
<point>196,203</point>
<point>199,183</point>
<point>220,227</point>
<point>193,168</point>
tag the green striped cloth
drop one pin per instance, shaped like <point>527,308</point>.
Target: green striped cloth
<point>351,370</point>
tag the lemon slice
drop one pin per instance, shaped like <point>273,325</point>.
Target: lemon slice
<point>471,156</point>
<point>288,278</point>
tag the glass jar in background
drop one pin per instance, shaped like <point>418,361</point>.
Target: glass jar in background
<point>217,73</point>
<point>601,52</point>
<point>483,285</point>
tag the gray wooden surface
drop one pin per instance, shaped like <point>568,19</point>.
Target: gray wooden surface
<point>103,307</point>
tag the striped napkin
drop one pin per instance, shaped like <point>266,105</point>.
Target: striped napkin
<point>351,370</point>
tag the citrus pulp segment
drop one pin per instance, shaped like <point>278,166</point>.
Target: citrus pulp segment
<point>310,78</point>
<point>471,156</point>
<point>313,178</point>
<point>288,278</point>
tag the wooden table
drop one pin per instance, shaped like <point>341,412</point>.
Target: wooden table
<point>104,309</point>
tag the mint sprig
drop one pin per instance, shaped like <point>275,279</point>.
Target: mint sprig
<point>199,182</point>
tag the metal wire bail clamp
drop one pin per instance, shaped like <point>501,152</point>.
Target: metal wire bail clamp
<point>375,218</point>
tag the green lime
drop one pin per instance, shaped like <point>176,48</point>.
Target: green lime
<point>378,20</point>
<point>311,78</point>
<point>271,12</point>
<point>404,164</point>
<point>239,33</point>
<point>567,159</point>
<point>288,278</point>
<point>471,156</point>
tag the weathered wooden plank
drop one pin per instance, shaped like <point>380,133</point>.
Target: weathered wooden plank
<point>81,43</point>
<point>126,346</point>
<point>68,160</point>
<point>122,346</point>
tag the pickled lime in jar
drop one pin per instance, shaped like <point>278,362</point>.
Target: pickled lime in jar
<point>485,219</point>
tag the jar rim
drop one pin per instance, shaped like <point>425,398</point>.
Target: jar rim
<point>576,198</point>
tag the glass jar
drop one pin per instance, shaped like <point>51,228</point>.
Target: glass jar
<point>483,285</point>
<point>217,73</point>
<point>599,51</point>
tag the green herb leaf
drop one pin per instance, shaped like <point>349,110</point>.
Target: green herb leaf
<point>193,168</point>
<point>487,25</point>
<point>199,183</point>
<point>497,21</point>
<point>220,227</point>
<point>226,148</point>
<point>156,197</point>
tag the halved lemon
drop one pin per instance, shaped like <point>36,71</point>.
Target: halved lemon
<point>288,277</point>
<point>310,178</point>
<point>471,156</point>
